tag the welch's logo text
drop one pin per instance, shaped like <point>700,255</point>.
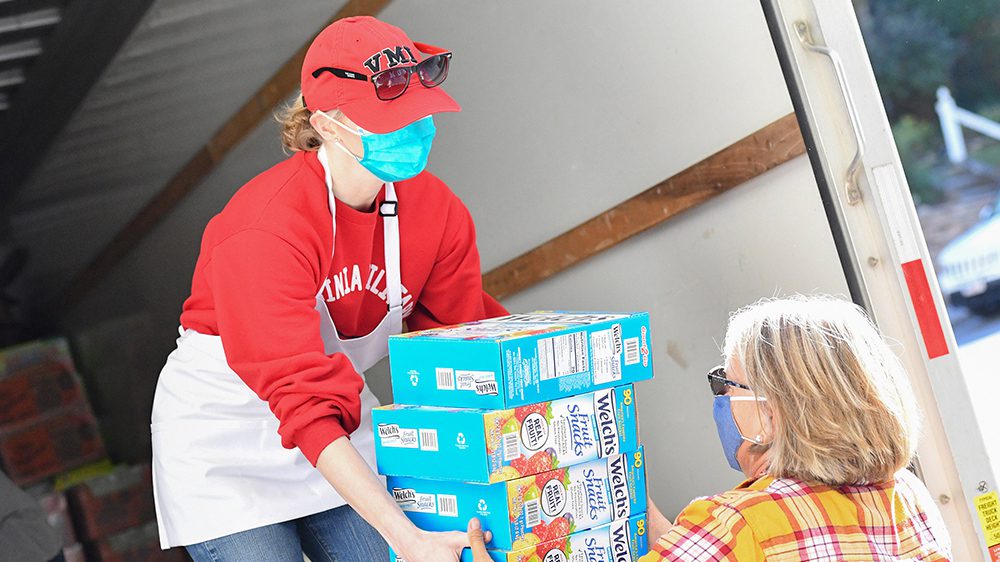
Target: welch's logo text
<point>404,495</point>
<point>388,431</point>
<point>620,549</point>
<point>607,422</point>
<point>487,387</point>
<point>618,481</point>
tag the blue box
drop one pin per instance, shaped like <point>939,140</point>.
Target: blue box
<point>623,540</point>
<point>519,359</point>
<point>484,446</point>
<point>560,501</point>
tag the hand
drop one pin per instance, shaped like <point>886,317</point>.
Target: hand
<point>429,546</point>
<point>656,523</point>
<point>478,540</point>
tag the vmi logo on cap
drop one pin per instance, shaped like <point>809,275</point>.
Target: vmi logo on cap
<point>401,54</point>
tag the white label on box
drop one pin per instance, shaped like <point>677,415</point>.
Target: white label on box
<point>559,356</point>
<point>606,347</point>
<point>428,440</point>
<point>409,499</point>
<point>532,513</point>
<point>631,351</point>
<point>554,498</point>
<point>445,378</point>
<point>447,505</point>
<point>394,436</point>
<point>480,382</point>
<point>534,432</point>
<point>511,448</point>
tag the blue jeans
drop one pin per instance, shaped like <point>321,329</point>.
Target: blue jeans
<point>336,535</point>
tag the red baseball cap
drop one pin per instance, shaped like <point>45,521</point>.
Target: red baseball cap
<point>363,45</point>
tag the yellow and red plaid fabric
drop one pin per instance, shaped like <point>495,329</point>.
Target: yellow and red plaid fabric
<point>789,520</point>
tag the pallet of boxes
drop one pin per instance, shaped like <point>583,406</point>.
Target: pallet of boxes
<point>527,422</point>
<point>51,445</point>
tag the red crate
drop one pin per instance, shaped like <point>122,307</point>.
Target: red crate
<point>111,503</point>
<point>32,391</point>
<point>141,544</point>
<point>55,442</point>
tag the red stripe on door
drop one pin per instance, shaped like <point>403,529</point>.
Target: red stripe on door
<point>925,309</point>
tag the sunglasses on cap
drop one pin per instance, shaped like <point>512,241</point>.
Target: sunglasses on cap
<point>718,381</point>
<point>392,83</point>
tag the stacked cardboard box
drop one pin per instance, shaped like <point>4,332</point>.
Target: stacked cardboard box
<point>47,429</point>
<point>527,422</point>
<point>46,424</point>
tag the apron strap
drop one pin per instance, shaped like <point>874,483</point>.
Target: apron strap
<point>388,210</point>
<point>331,200</point>
<point>390,230</point>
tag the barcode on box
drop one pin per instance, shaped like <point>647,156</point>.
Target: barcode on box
<point>532,513</point>
<point>447,506</point>
<point>631,351</point>
<point>511,450</point>
<point>428,440</point>
<point>445,378</point>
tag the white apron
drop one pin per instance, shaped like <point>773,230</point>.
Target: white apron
<point>218,463</point>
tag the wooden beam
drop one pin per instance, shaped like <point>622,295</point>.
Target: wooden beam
<point>279,87</point>
<point>748,158</point>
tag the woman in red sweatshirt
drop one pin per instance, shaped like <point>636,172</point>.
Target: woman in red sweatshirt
<point>262,437</point>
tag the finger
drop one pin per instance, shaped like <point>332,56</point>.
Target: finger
<point>477,540</point>
<point>457,540</point>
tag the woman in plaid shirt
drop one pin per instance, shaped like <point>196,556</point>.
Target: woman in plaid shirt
<point>817,411</point>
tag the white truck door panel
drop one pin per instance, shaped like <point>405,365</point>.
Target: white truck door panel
<point>881,246</point>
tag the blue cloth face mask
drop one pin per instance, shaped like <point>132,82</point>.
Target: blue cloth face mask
<point>729,432</point>
<point>395,156</point>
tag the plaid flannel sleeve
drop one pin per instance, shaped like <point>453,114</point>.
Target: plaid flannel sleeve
<point>706,531</point>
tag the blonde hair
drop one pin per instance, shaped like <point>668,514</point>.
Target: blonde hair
<point>297,134</point>
<point>843,409</point>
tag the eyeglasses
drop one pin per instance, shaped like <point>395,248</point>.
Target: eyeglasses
<point>718,381</point>
<point>393,82</point>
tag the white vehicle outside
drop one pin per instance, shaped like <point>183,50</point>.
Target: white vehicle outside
<point>969,266</point>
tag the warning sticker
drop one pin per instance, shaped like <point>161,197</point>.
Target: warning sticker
<point>988,507</point>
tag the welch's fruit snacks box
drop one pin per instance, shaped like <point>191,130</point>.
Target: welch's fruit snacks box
<point>519,359</point>
<point>624,540</point>
<point>476,445</point>
<point>556,503</point>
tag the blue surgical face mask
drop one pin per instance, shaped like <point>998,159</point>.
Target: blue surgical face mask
<point>729,432</point>
<point>394,156</point>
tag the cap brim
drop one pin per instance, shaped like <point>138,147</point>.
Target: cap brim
<point>378,116</point>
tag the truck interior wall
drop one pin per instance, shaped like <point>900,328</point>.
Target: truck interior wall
<point>569,108</point>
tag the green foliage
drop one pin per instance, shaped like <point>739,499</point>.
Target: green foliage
<point>919,143</point>
<point>911,55</point>
<point>917,45</point>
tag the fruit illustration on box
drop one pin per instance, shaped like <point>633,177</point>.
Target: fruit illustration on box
<point>501,445</point>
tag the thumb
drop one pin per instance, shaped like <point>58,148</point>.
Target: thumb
<point>477,541</point>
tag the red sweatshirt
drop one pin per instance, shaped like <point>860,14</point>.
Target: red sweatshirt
<point>268,253</point>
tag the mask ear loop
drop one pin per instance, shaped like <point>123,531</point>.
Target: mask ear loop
<point>759,438</point>
<point>360,132</point>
